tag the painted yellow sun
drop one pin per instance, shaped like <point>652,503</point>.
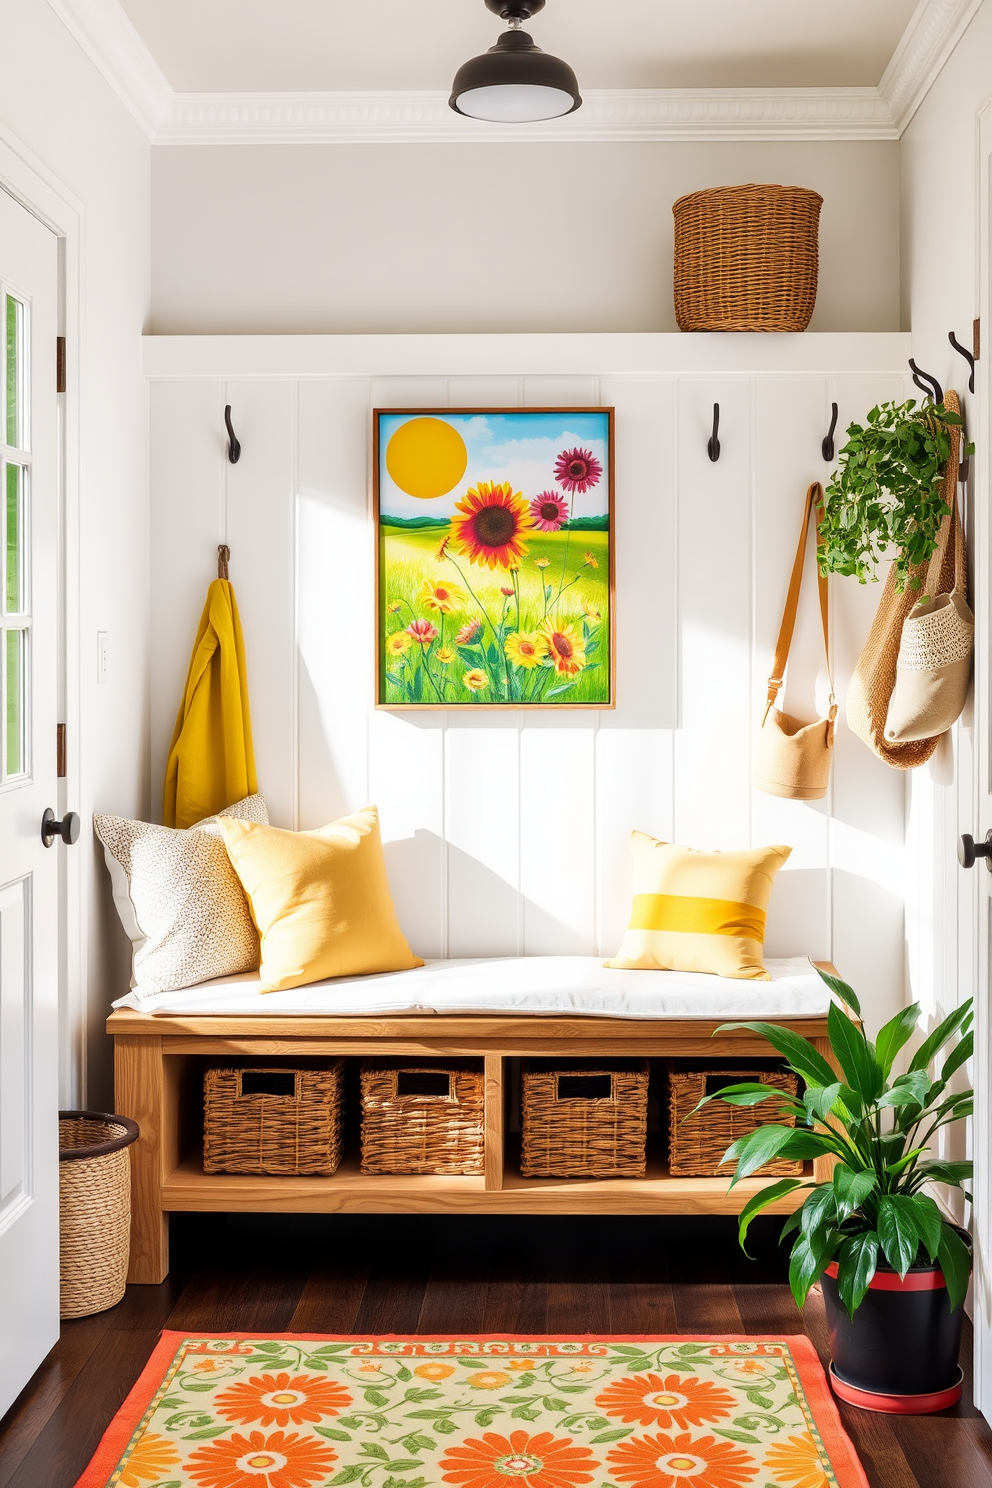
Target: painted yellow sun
<point>426,457</point>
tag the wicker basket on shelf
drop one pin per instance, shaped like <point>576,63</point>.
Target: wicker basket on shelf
<point>697,1144</point>
<point>746,258</point>
<point>423,1118</point>
<point>273,1119</point>
<point>587,1121</point>
<point>94,1210</point>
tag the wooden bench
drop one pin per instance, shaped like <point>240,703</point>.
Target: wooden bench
<point>159,1063</point>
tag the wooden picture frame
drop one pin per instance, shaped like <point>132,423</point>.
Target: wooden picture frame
<point>495,559</point>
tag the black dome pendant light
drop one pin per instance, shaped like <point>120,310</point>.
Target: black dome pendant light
<point>515,82</point>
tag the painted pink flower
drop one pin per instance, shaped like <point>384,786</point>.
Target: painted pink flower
<point>422,631</point>
<point>469,633</point>
<point>549,511</point>
<point>577,470</point>
<point>507,592</point>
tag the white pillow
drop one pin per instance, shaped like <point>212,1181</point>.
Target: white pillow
<point>180,900</point>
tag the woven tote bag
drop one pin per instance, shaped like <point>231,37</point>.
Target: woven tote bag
<point>792,758</point>
<point>876,677</point>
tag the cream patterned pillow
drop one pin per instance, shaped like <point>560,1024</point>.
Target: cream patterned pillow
<point>180,900</point>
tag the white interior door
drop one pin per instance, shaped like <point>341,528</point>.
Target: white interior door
<point>29,907</point>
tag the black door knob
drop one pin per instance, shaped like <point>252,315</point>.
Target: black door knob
<point>67,828</point>
<point>969,850</point>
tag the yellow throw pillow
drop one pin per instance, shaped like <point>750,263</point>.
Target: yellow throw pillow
<point>698,911</point>
<point>320,900</point>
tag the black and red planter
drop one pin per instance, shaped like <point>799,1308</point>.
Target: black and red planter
<point>900,1353</point>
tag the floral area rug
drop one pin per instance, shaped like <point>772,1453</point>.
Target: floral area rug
<point>627,1412</point>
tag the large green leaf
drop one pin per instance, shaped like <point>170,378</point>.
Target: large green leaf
<point>842,990</point>
<point>896,1033</point>
<point>819,1210</point>
<point>944,1031</point>
<point>804,1058</point>
<point>898,1231</point>
<point>928,1220</point>
<point>857,1261</point>
<point>747,1093</point>
<point>760,1201</point>
<point>820,1100</point>
<point>955,1262</point>
<point>958,1056</point>
<point>908,1090</point>
<point>954,1173</point>
<point>851,1188</point>
<point>760,1146</point>
<point>854,1054</point>
<point>810,1257</point>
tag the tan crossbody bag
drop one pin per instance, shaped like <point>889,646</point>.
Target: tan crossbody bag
<point>792,758</point>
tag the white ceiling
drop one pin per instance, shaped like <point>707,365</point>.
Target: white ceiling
<point>330,45</point>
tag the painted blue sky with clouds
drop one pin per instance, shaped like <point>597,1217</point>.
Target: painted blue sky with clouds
<point>519,447</point>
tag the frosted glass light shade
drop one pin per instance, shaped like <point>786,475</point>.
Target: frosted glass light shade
<point>515,83</point>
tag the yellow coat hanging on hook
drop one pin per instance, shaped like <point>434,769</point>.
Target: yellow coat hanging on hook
<point>212,762</point>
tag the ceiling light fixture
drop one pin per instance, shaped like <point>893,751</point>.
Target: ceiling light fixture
<point>515,82</point>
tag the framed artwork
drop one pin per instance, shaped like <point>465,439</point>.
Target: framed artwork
<point>495,558</point>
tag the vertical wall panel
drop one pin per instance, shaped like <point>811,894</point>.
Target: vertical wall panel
<point>261,532</point>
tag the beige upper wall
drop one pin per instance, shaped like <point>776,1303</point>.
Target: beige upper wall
<point>413,238</point>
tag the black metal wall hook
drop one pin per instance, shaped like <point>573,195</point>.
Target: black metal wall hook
<point>233,443</point>
<point>713,443</point>
<point>827,447</point>
<point>967,356</point>
<point>926,383</point>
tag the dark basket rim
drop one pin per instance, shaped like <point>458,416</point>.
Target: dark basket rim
<point>98,1149</point>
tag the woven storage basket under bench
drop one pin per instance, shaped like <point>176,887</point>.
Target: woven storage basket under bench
<point>423,1118</point>
<point>696,1143</point>
<point>584,1120</point>
<point>273,1119</point>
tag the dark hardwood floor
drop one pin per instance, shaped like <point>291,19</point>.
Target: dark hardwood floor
<point>420,1274</point>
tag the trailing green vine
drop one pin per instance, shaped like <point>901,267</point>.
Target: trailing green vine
<point>887,491</point>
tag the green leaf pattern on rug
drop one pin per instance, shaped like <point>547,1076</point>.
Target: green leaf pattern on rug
<point>422,1413</point>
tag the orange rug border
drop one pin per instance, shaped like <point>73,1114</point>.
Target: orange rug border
<point>843,1458</point>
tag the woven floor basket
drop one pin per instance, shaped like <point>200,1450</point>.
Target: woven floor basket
<point>269,1119</point>
<point>696,1146</point>
<point>746,258</point>
<point>424,1118</point>
<point>584,1121</point>
<point>94,1210</point>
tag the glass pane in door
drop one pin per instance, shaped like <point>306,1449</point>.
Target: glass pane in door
<point>14,709</point>
<point>13,601</point>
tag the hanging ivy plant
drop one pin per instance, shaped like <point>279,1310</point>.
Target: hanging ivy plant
<point>887,491</point>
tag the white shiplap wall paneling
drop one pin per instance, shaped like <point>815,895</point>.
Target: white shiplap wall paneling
<point>187,523</point>
<point>712,792</point>
<point>261,533</point>
<point>335,599</point>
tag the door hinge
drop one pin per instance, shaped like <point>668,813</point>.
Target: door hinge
<point>60,750</point>
<point>60,364</point>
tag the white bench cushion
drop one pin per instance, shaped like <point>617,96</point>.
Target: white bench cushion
<point>545,985</point>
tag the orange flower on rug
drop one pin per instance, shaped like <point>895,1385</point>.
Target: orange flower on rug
<point>282,1400</point>
<point>673,1401</point>
<point>259,1461</point>
<point>681,1462</point>
<point>537,1461</point>
<point>299,1411</point>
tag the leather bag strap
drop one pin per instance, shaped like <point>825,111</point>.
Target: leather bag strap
<point>814,507</point>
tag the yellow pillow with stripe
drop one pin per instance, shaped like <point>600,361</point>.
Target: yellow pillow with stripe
<point>320,900</point>
<point>698,911</point>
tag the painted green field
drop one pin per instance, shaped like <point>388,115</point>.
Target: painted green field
<point>455,633</point>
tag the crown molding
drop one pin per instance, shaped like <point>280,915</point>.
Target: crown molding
<point>629,115</point>
<point>607,115</point>
<point>934,31</point>
<point>118,53</point>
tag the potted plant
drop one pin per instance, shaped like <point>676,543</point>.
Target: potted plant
<point>887,491</point>
<point>894,1271</point>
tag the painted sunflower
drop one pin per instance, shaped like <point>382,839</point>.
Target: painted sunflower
<point>540,1461</point>
<point>797,1461</point>
<point>549,511</point>
<point>397,643</point>
<point>442,598</point>
<point>444,655</point>
<point>652,1401</point>
<point>475,680</point>
<point>282,1400</point>
<point>490,530</point>
<point>151,1457</point>
<point>681,1462</point>
<point>526,650</point>
<point>278,1460</point>
<point>565,645</point>
<point>577,470</point>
